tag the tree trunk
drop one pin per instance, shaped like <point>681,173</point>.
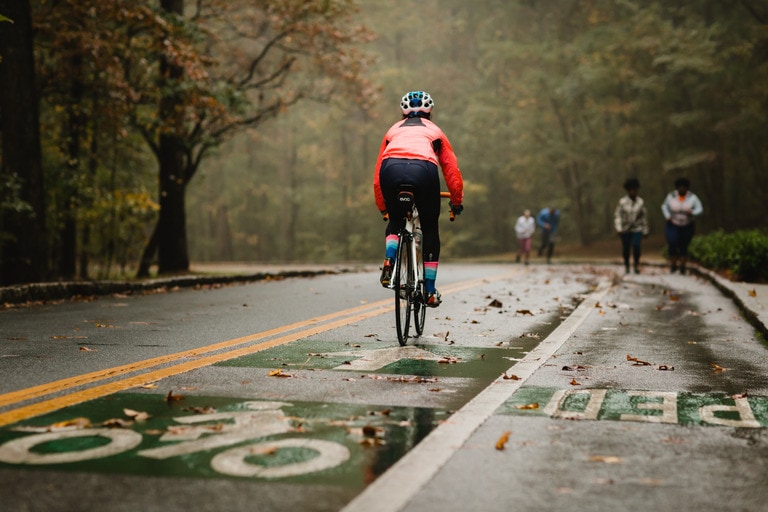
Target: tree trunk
<point>68,238</point>
<point>172,227</point>
<point>24,249</point>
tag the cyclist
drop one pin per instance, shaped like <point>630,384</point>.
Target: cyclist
<point>410,153</point>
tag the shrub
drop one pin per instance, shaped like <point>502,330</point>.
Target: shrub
<point>744,254</point>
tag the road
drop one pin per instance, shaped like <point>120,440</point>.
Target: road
<point>533,388</point>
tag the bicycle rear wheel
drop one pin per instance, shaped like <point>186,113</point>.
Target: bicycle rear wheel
<point>419,308</point>
<point>403,290</point>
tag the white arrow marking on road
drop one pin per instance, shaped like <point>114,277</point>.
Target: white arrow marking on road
<point>370,360</point>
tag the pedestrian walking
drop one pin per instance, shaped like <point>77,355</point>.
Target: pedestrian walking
<point>548,220</point>
<point>631,222</point>
<point>680,208</point>
<point>525,226</point>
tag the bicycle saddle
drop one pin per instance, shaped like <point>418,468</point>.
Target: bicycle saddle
<point>405,197</point>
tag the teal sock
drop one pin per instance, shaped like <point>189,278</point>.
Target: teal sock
<point>391,247</point>
<point>430,276</point>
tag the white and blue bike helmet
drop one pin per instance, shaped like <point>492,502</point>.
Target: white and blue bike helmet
<point>416,103</point>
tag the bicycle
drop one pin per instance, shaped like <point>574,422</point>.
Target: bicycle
<point>408,271</point>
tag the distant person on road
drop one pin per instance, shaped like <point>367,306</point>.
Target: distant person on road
<point>548,220</point>
<point>525,226</point>
<point>680,208</point>
<point>631,222</point>
<point>409,154</point>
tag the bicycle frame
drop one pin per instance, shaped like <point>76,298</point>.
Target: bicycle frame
<point>410,234</point>
<point>408,282</point>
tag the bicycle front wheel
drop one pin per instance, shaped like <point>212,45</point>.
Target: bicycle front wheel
<point>403,290</point>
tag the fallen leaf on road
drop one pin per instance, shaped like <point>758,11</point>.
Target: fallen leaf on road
<point>116,423</point>
<point>263,450</point>
<point>511,376</point>
<point>752,293</point>
<point>279,373</point>
<point>71,424</point>
<point>574,382</point>
<point>524,312</point>
<point>136,415</point>
<point>86,349</point>
<point>527,407</point>
<point>717,368</point>
<point>664,367</point>
<point>607,459</point>
<point>495,303</point>
<point>637,362</point>
<point>170,397</point>
<point>503,440</point>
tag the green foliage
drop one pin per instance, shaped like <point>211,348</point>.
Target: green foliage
<point>744,254</point>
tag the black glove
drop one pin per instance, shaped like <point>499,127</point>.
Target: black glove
<point>456,208</point>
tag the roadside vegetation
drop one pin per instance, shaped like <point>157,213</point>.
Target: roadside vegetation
<point>741,255</point>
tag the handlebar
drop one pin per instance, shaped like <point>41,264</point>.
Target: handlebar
<point>451,215</point>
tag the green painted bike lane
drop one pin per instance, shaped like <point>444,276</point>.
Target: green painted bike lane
<point>679,408</point>
<point>187,434</point>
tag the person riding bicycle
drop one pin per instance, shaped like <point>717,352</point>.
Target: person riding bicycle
<point>409,155</point>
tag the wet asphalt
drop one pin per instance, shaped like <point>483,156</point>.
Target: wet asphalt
<point>642,384</point>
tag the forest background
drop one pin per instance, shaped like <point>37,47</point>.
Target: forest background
<point>278,108</point>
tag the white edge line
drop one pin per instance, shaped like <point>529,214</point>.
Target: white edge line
<point>398,485</point>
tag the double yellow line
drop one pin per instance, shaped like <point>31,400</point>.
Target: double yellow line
<point>140,373</point>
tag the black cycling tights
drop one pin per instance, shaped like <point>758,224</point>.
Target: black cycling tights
<point>423,176</point>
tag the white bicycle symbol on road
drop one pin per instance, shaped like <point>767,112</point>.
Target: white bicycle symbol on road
<point>259,420</point>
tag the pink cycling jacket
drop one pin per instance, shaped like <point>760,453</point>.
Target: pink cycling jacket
<point>420,139</point>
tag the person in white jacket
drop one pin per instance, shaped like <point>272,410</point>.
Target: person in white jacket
<point>680,208</point>
<point>524,229</point>
<point>631,222</point>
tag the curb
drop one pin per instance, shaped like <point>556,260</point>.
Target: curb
<point>35,292</point>
<point>729,290</point>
